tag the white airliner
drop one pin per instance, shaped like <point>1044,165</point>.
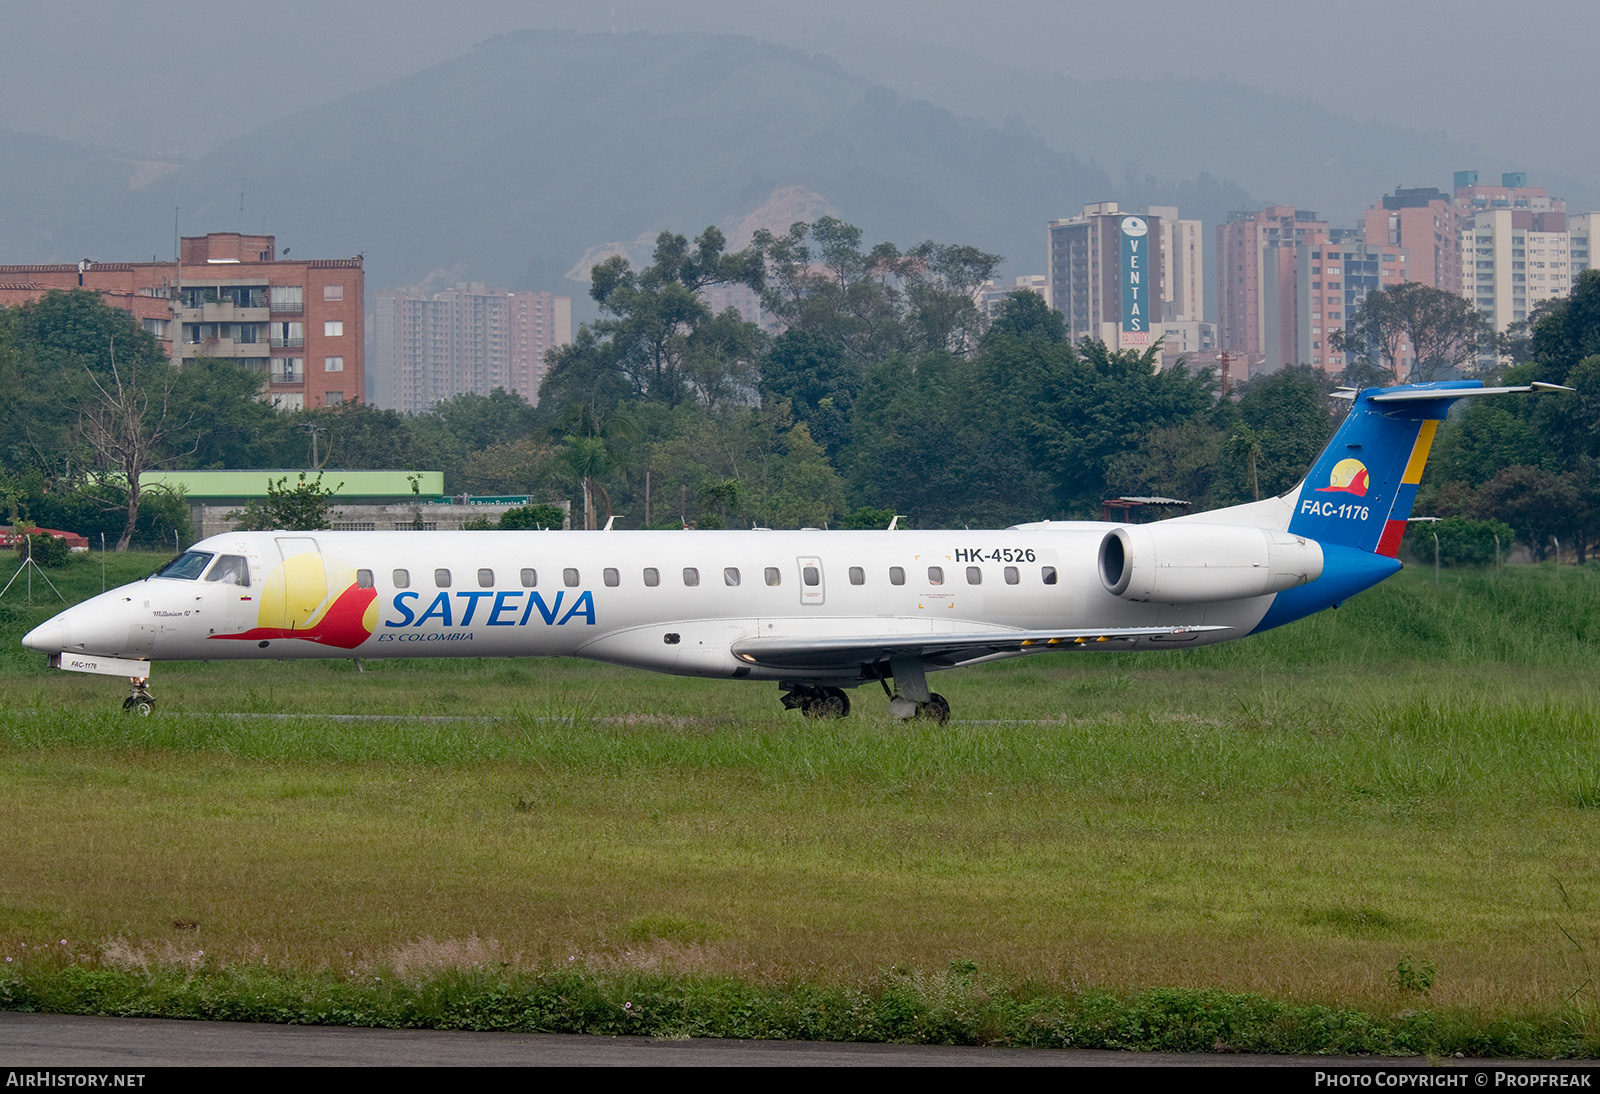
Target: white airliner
<point>818,612</point>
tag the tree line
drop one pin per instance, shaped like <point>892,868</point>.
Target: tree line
<point>887,391</point>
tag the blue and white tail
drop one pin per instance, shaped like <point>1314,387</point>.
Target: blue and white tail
<point>1358,495</point>
<point>1360,491</point>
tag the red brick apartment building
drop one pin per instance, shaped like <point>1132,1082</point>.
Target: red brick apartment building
<point>299,323</point>
<point>1256,280</point>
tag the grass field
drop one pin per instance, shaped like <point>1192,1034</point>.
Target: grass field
<point>1394,807</point>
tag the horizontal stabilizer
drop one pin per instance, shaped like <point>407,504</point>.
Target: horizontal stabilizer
<point>1422,394</point>
<point>1460,393</point>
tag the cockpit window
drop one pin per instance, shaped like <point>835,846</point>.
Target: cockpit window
<point>231,570</point>
<point>186,567</point>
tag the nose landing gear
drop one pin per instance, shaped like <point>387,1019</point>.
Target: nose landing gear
<point>140,702</point>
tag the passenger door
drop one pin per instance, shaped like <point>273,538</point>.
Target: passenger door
<point>812,586</point>
<point>297,588</point>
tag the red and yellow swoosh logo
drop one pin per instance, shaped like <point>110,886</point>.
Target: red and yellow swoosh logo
<point>299,600</point>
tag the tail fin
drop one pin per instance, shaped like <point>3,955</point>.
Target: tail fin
<point>1360,491</point>
<point>1358,494</point>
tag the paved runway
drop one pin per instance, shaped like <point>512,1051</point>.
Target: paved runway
<point>130,1044</point>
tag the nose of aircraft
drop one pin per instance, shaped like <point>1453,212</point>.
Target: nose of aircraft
<point>99,625</point>
<point>51,636</point>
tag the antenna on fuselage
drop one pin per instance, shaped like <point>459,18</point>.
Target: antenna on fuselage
<point>893,523</point>
<point>609,521</point>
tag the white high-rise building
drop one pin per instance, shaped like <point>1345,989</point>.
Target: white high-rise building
<point>1183,289</point>
<point>1120,276</point>
<point>1513,259</point>
<point>991,295</point>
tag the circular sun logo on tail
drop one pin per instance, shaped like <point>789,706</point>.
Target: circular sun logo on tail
<point>1348,477</point>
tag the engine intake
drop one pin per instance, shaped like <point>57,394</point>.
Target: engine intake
<point>1187,562</point>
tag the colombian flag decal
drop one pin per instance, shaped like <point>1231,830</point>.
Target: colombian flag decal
<point>1395,529</point>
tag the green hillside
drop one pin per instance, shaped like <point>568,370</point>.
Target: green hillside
<point>509,162</point>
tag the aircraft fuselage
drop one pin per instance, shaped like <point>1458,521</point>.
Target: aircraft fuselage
<point>673,602</point>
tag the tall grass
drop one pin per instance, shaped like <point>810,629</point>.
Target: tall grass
<point>1391,807</point>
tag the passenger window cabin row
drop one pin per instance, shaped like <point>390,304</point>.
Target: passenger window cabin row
<point>731,576</point>
<point>233,570</point>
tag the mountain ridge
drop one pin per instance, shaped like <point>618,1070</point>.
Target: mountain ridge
<point>511,160</point>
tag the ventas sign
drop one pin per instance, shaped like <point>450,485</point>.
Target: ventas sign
<point>1135,332</point>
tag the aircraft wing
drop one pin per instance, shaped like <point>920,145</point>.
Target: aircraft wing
<point>937,649</point>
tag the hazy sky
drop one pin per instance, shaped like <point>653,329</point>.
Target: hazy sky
<point>1510,78</point>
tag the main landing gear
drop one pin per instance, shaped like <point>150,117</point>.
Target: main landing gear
<point>141,702</point>
<point>912,699</point>
<point>936,708</point>
<point>817,702</point>
<point>820,702</point>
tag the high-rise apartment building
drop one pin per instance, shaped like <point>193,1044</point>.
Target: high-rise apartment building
<point>1424,222</point>
<point>1118,276</point>
<point>1256,291</point>
<point>1471,196</point>
<point>1580,231</point>
<point>298,323</point>
<point>465,339</point>
<point>1515,259</point>
<point>1519,245</point>
<point>1183,284</point>
<point>991,295</point>
<point>1332,280</point>
<point>722,296</point>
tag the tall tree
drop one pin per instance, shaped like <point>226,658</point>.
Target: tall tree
<point>1570,331</point>
<point>815,375</point>
<point>1288,414</point>
<point>1104,406</point>
<point>941,282</point>
<point>128,420</point>
<point>355,435</point>
<point>484,420</point>
<point>664,336</point>
<point>233,426</point>
<point>592,447</point>
<point>91,391</point>
<point>1540,505</point>
<point>878,302</point>
<point>1024,314</point>
<point>586,370</point>
<point>1185,461</point>
<point>802,488</point>
<point>1435,333</point>
<point>1250,444</point>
